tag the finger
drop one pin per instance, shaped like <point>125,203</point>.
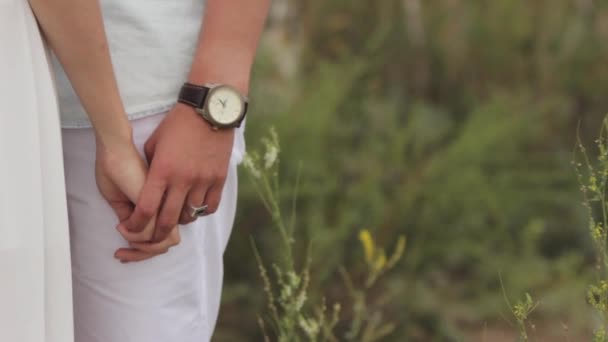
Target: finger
<point>195,198</point>
<point>169,213</point>
<point>148,203</point>
<point>123,209</point>
<point>143,236</point>
<point>140,251</point>
<point>149,148</point>
<point>131,255</point>
<point>158,247</point>
<point>213,197</point>
<point>119,202</point>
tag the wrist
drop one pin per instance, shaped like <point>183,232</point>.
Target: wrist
<point>114,137</point>
<point>235,75</point>
<point>240,84</point>
<point>188,112</point>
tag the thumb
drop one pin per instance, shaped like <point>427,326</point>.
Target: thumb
<point>118,201</point>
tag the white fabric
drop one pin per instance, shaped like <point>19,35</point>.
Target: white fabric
<point>35,281</point>
<point>152,43</point>
<point>172,297</point>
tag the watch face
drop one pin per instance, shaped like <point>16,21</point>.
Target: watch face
<point>225,105</point>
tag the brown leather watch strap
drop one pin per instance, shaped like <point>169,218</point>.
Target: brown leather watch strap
<point>193,95</point>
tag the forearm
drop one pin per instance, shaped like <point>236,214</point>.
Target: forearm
<point>228,42</point>
<point>75,32</point>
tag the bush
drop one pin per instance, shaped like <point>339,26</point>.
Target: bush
<point>457,133</point>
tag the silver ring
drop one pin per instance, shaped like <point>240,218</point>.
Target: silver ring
<point>198,211</point>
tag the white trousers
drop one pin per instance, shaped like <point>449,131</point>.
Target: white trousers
<point>170,298</point>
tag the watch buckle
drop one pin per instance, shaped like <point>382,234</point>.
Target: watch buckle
<point>200,110</point>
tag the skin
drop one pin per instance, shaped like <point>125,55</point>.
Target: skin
<point>74,30</point>
<point>188,159</point>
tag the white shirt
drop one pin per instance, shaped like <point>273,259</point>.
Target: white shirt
<point>152,44</point>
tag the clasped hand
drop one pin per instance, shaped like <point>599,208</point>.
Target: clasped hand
<point>188,163</point>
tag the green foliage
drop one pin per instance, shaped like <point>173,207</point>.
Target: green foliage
<point>449,122</point>
<point>521,312</point>
<point>368,322</point>
<point>593,178</point>
<point>286,306</point>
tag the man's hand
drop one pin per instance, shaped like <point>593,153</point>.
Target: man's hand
<point>188,167</point>
<point>189,160</point>
<point>120,173</point>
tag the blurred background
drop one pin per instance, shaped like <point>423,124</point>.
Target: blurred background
<point>450,122</point>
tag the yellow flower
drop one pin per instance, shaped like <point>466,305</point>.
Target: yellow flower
<point>380,261</point>
<point>398,252</point>
<point>368,245</point>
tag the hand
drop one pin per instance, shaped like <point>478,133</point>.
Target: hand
<point>188,166</point>
<point>120,173</point>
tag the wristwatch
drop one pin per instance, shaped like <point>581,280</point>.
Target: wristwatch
<point>219,104</point>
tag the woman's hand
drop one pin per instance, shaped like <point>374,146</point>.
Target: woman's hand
<point>74,29</point>
<point>120,173</point>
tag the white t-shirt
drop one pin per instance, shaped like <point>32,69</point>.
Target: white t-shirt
<point>152,44</point>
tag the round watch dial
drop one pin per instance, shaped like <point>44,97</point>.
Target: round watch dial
<point>225,105</point>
